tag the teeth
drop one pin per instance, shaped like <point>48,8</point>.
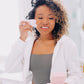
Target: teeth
<point>45,27</point>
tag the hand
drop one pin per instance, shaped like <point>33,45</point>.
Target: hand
<point>24,27</point>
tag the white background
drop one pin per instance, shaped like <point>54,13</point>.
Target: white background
<point>9,21</point>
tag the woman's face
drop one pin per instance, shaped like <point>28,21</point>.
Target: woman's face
<point>45,20</point>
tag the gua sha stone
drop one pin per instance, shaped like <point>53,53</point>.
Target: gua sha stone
<point>32,22</point>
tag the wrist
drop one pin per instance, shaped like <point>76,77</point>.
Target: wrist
<point>23,38</point>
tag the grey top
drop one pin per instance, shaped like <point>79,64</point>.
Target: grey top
<point>40,65</point>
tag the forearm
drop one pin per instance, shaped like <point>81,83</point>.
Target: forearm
<point>15,56</point>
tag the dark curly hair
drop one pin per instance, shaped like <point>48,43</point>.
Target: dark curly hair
<point>61,23</point>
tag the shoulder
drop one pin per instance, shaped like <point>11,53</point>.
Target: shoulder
<point>67,42</point>
<point>69,47</point>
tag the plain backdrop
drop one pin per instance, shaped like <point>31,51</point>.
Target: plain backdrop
<point>11,13</point>
<point>9,20</point>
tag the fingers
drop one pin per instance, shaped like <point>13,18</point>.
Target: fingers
<point>25,25</point>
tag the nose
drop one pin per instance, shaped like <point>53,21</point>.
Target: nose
<point>45,21</point>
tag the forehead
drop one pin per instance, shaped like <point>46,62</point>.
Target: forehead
<point>43,10</point>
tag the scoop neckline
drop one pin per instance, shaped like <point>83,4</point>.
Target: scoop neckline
<point>42,54</point>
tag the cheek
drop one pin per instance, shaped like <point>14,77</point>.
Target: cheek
<point>52,24</point>
<point>38,23</point>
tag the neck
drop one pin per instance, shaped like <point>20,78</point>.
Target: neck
<point>45,37</point>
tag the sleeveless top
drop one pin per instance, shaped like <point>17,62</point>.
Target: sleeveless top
<point>40,65</point>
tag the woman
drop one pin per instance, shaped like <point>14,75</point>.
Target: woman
<point>50,52</point>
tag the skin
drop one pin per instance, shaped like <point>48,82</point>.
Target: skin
<point>44,18</point>
<point>24,30</point>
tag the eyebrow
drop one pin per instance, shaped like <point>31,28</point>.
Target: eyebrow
<point>50,14</point>
<point>42,14</point>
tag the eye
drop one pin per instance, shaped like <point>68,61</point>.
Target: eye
<point>51,18</point>
<point>40,17</point>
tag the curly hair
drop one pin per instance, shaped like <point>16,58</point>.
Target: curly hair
<point>61,22</point>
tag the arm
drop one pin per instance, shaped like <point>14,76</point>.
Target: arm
<point>15,57</point>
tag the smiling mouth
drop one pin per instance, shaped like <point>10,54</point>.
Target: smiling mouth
<point>44,27</point>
